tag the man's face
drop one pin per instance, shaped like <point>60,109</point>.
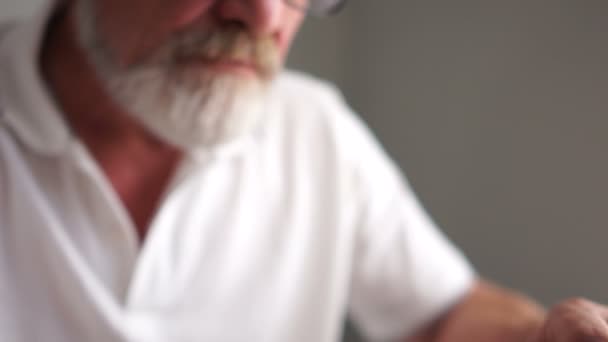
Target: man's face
<point>134,30</point>
<point>192,71</point>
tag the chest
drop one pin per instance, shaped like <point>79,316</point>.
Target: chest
<point>139,185</point>
<point>229,244</point>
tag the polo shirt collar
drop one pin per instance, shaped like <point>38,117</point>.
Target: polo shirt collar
<point>25,102</point>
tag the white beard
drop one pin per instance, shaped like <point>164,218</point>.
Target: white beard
<point>213,111</point>
<point>185,108</point>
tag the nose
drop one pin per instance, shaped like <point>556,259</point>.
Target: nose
<point>260,17</point>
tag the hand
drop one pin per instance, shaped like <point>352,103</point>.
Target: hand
<point>575,320</point>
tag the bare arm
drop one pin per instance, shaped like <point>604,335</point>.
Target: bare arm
<point>487,313</point>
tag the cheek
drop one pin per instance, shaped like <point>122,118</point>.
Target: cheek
<point>124,35</point>
<point>185,12</point>
<point>133,30</point>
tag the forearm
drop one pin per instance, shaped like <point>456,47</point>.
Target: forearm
<point>488,314</point>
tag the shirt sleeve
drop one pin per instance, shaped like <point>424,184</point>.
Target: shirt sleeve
<point>405,271</point>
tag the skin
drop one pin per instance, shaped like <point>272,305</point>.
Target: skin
<point>494,314</point>
<point>488,313</point>
<point>139,165</point>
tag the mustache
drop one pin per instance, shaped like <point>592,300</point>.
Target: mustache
<point>229,42</point>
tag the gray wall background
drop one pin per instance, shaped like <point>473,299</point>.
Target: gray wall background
<point>497,113</point>
<point>14,9</point>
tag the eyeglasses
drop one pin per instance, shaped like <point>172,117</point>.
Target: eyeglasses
<point>317,7</point>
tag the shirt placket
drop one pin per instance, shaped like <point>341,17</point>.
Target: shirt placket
<point>144,275</point>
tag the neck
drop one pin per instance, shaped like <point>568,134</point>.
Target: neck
<point>136,163</point>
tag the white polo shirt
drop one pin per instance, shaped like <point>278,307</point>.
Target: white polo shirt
<point>277,237</point>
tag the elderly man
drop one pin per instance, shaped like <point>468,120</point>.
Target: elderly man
<point>162,179</point>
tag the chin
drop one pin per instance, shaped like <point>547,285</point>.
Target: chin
<point>193,112</point>
<point>186,99</point>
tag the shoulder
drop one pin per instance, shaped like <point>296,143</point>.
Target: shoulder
<point>298,80</point>
<point>314,115</point>
<point>310,101</point>
<point>305,100</point>
<point>323,119</point>
<point>307,90</point>
<point>312,108</point>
